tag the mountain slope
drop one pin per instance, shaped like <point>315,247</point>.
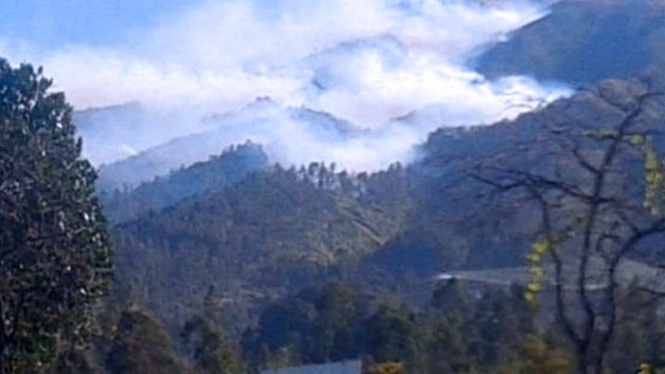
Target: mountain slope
<point>232,166</point>
<point>104,129</point>
<point>280,229</point>
<point>264,122</point>
<point>583,42</point>
<point>462,222</point>
<point>269,234</point>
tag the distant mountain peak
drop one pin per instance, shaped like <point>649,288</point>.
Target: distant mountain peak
<point>602,39</point>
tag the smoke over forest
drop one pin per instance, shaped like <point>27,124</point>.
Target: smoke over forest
<point>394,70</point>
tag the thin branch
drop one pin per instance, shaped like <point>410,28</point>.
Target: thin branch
<point>656,227</point>
<point>558,271</point>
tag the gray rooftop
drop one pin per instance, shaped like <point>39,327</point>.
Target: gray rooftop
<point>344,367</point>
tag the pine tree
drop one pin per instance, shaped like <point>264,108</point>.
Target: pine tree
<point>55,259</point>
<point>141,346</point>
<point>213,352</point>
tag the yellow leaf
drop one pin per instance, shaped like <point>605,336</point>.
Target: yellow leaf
<point>534,287</point>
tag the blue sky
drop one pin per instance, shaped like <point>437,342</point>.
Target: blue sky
<point>48,25</point>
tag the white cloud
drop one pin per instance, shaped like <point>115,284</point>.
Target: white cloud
<point>219,56</point>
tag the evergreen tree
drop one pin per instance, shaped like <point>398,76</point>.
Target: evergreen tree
<point>500,323</point>
<point>333,335</point>
<point>393,334</point>
<point>213,352</point>
<point>141,346</point>
<point>54,254</point>
<point>537,356</point>
<point>448,349</point>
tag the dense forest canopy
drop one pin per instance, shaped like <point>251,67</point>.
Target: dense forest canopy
<point>55,260</point>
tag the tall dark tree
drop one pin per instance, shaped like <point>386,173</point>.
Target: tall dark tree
<point>448,350</point>
<point>537,356</point>
<point>499,324</point>
<point>393,334</point>
<point>141,346</point>
<point>213,351</point>
<point>333,333</point>
<point>54,254</point>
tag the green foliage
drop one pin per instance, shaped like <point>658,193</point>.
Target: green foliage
<point>448,350</point>
<point>261,238</point>
<point>232,166</point>
<point>500,323</point>
<point>452,299</point>
<point>76,361</point>
<point>315,325</point>
<point>640,337</point>
<point>213,353</point>
<point>54,254</point>
<point>538,250</point>
<point>654,174</point>
<point>336,322</point>
<point>393,334</point>
<point>537,356</point>
<point>141,346</point>
<point>333,332</point>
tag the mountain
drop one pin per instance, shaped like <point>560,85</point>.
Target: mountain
<point>134,143</point>
<point>582,42</point>
<point>330,68</point>
<point>231,167</point>
<point>105,131</point>
<point>391,231</point>
<point>255,240</point>
<point>263,121</point>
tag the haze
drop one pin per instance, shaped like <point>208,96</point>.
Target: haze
<point>369,63</point>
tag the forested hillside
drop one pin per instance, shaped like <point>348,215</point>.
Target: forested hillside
<point>394,230</point>
<point>583,42</point>
<point>255,235</point>
<point>232,166</point>
<point>267,235</point>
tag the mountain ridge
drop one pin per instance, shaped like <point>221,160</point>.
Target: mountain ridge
<point>603,40</point>
<point>393,230</point>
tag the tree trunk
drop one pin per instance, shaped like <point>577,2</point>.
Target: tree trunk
<point>582,352</point>
<point>3,335</point>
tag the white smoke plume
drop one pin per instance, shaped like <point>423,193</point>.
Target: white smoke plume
<point>369,62</point>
